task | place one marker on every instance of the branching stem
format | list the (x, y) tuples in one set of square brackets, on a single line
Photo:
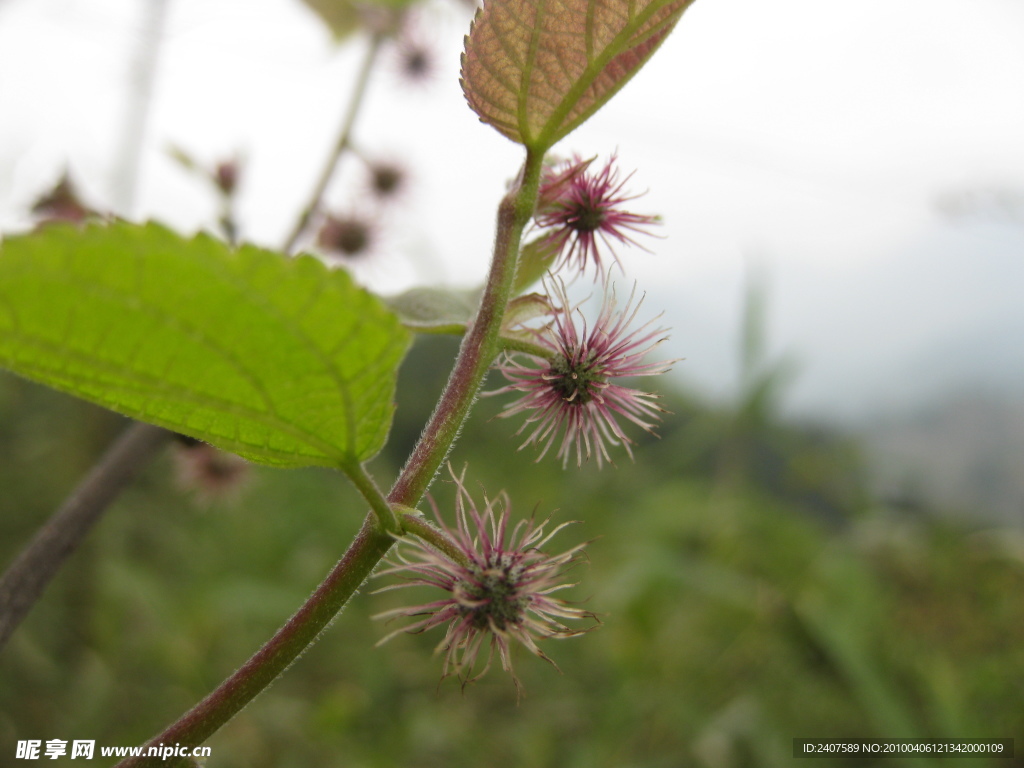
[(417, 526), (386, 517), (481, 343), (479, 347)]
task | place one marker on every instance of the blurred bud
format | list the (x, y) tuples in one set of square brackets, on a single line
[(62, 203), (225, 176), (417, 61), (379, 19), (212, 474), (387, 179), (346, 234)]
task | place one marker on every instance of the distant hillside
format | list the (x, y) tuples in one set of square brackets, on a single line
[(964, 454)]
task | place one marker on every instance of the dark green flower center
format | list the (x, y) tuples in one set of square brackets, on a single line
[(496, 588), (576, 383), (587, 217)]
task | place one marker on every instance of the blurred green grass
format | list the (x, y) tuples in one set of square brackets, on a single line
[(750, 592)]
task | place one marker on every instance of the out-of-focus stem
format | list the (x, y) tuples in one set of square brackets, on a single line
[(33, 569), (343, 143), (138, 109)]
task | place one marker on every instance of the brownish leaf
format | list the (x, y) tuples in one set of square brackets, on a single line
[(537, 69)]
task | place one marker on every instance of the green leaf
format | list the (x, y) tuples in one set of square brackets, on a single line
[(535, 260), (522, 309), (345, 17), (434, 309), (515, 326), (340, 16), (537, 69), (279, 360)]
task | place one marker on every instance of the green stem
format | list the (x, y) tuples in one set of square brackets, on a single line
[(386, 516), (417, 526), (479, 347), (206, 718), (343, 143), (440, 329), (528, 347)]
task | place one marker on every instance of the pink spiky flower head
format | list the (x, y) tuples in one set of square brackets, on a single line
[(570, 394), (499, 586), (583, 210)]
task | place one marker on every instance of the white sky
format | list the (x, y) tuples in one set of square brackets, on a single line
[(810, 138)]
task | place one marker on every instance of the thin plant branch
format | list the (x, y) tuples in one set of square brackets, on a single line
[(32, 570), (415, 525), (512, 344), (386, 517), (342, 144)]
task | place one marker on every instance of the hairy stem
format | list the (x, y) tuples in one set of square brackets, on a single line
[(479, 347), (343, 143), (33, 569), (481, 343), (509, 344), (417, 526), (206, 718), (386, 517)]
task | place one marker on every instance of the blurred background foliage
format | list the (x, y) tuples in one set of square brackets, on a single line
[(751, 591), (752, 588)]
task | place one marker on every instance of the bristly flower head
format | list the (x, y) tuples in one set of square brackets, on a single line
[(499, 586), (570, 392), (583, 209), (349, 235)]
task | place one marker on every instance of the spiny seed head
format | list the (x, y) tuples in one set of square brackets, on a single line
[(493, 595), (581, 209), (499, 584), (570, 395), (576, 381)]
